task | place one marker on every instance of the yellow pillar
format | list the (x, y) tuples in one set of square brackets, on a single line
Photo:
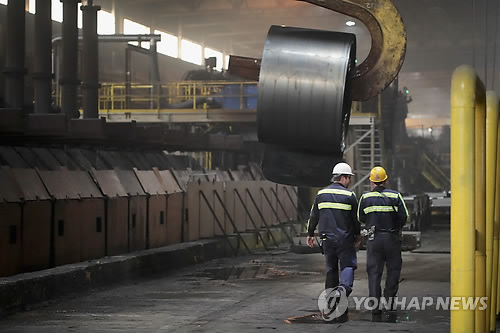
[(480, 207), (491, 165), (463, 96), (496, 234)]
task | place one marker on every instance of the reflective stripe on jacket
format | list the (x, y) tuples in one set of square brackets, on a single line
[(383, 208), (334, 213)]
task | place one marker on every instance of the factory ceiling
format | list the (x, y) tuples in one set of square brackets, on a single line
[(442, 35)]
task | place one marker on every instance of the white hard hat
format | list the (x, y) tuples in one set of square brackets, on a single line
[(342, 169)]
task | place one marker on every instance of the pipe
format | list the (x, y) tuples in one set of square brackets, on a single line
[(90, 60), (128, 77), (491, 160), (15, 53), (480, 208), (495, 304), (69, 80), (463, 100), (56, 69), (117, 38), (42, 61), (117, 14), (154, 74)]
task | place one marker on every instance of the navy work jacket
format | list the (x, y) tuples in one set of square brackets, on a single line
[(334, 213), (383, 208)]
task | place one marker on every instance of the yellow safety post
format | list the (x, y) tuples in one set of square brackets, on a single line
[(465, 92), (496, 235), (480, 210), (491, 164)]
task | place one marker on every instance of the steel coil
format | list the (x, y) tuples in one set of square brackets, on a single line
[(304, 103), (304, 88)]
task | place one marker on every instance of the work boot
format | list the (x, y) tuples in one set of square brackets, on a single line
[(344, 317), (341, 319), (391, 316), (376, 315)]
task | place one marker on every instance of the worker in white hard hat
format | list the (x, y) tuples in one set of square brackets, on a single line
[(334, 213)]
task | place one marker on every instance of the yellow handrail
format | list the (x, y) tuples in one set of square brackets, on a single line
[(139, 96)]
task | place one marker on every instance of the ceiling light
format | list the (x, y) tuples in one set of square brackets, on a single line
[(350, 23)]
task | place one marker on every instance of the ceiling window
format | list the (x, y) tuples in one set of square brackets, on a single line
[(57, 11), (169, 44), (218, 55), (191, 52), (134, 28), (4, 2), (105, 23), (32, 6), (80, 17)]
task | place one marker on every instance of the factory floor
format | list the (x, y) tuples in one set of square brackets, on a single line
[(267, 292)]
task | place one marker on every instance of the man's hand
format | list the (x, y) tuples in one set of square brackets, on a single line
[(357, 241), (310, 241)]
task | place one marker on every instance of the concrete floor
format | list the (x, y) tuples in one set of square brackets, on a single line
[(254, 293)]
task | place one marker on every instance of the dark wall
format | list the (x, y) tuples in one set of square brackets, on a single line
[(3, 14)]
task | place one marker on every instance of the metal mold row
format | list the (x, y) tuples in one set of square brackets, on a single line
[(51, 218), (221, 208)]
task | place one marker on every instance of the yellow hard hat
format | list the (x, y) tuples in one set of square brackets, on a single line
[(378, 175)]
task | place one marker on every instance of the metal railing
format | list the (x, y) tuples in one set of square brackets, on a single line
[(187, 95), (433, 173)]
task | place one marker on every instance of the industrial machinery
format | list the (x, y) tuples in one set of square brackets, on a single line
[(105, 165), (305, 93)]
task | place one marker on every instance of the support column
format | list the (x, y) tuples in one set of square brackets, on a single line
[(179, 38), (90, 61), (14, 58), (117, 13), (69, 78), (154, 75), (42, 63), (203, 55)]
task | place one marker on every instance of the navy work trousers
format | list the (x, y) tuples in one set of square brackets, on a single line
[(345, 254), (383, 250)]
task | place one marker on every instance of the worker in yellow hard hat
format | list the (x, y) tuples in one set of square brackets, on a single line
[(383, 213)]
